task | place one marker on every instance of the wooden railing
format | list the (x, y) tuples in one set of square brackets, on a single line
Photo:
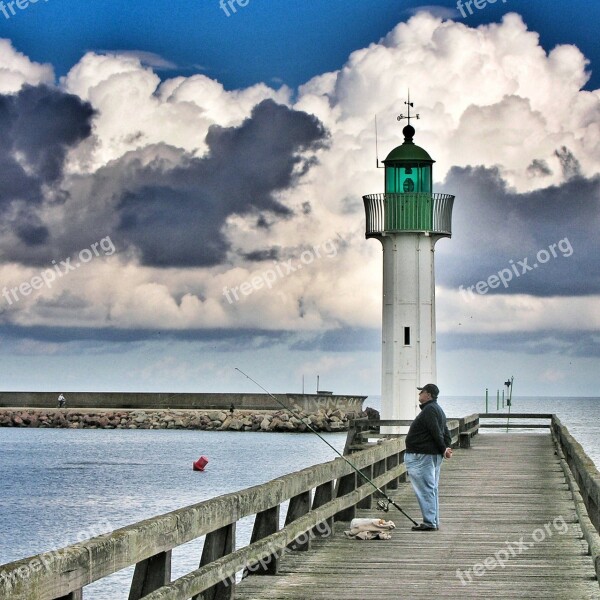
[(511, 423), (362, 430), (584, 482), (317, 496)]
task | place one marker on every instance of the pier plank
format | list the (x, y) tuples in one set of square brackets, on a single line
[(503, 500)]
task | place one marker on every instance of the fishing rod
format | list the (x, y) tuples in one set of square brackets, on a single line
[(383, 504)]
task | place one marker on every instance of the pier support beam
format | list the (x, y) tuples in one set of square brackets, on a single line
[(149, 575), (299, 506), (323, 494), (77, 595), (266, 523), (218, 543), (346, 484)]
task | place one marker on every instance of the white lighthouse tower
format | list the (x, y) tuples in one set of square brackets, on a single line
[(408, 219)]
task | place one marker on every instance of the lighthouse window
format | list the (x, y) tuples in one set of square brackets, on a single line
[(409, 185), (407, 336)]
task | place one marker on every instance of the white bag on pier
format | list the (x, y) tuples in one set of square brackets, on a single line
[(370, 529)]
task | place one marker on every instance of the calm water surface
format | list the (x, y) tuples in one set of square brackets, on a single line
[(57, 485)]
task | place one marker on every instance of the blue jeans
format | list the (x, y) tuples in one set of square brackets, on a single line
[(424, 473)]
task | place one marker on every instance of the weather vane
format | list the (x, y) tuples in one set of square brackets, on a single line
[(408, 117)]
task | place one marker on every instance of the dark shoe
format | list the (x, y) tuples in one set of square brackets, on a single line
[(423, 527)]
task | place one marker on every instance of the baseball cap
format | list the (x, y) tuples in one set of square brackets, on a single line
[(431, 388)]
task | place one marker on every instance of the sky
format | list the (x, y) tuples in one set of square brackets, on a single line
[(181, 184)]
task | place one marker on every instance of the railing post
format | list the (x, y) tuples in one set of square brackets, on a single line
[(298, 507), (265, 523), (402, 478), (149, 575), (323, 494), (367, 501), (76, 595), (391, 462), (346, 484), (379, 468), (218, 543), (464, 441)]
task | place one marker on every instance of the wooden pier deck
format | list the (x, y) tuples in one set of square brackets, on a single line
[(509, 529)]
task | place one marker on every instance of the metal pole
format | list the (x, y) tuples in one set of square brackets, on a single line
[(486, 400), (503, 398), (510, 392), (498, 400)]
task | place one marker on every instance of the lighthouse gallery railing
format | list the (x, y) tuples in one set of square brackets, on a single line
[(392, 213)]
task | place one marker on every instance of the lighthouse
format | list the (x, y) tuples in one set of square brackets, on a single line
[(408, 219)]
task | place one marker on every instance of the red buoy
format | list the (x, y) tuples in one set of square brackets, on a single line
[(200, 463)]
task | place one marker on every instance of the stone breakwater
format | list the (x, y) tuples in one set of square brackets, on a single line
[(208, 420)]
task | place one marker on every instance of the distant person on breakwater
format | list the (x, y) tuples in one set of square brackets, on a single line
[(427, 444), (62, 401)]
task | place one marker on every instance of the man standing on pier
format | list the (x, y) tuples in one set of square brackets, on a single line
[(427, 444)]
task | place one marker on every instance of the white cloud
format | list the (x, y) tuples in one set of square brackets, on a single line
[(16, 70), (150, 59), (458, 312), (136, 110)]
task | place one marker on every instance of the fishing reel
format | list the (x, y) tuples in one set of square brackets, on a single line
[(384, 505)]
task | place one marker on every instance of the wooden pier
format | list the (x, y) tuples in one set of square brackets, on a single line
[(519, 519), (506, 489)]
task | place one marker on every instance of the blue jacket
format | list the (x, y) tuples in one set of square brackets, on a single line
[(428, 433)]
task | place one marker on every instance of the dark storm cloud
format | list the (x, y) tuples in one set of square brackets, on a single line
[(346, 339), (219, 340), (160, 202), (174, 217), (569, 164), (263, 255), (539, 168), (37, 127), (493, 225), (573, 343)]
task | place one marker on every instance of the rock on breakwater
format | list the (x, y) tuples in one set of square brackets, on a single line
[(208, 420)]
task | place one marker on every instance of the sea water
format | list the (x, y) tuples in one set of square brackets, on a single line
[(58, 486)]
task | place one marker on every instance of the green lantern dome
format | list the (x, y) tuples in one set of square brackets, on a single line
[(409, 151), (408, 167)]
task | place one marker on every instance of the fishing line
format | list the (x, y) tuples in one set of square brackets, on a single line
[(381, 503)]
